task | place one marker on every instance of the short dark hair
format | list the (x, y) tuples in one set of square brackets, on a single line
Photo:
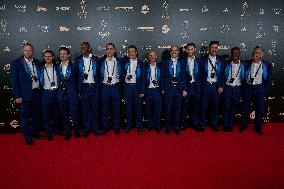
[(51, 52), (110, 44), (28, 44), (258, 47), (235, 48), (132, 46), (64, 49), (214, 43), (86, 43), (190, 44)]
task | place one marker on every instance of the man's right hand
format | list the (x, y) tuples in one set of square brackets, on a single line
[(19, 100)]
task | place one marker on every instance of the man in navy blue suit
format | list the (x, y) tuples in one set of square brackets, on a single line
[(153, 96), (191, 79), (67, 93), (134, 88), (88, 77), (212, 78), (174, 88), (258, 78), (234, 76), (111, 79), (25, 73), (49, 83)]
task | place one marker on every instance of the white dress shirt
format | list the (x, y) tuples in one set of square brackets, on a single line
[(211, 70), (258, 77), (88, 69), (33, 71), (234, 72), (64, 66), (111, 70), (131, 70), (174, 60), (49, 77), (153, 75), (191, 67)]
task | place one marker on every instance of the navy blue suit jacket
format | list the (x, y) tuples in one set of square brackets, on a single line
[(241, 73), (79, 67), (196, 72), (119, 67), (167, 75), (220, 68), (21, 78), (266, 73), (148, 74), (140, 74), (71, 79)]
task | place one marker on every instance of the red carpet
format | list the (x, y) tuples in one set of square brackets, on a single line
[(192, 160)]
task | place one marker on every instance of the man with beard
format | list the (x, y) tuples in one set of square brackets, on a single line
[(25, 72), (174, 89), (49, 83), (212, 77), (191, 69)]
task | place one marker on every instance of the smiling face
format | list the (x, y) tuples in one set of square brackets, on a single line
[(257, 55), (190, 50), (174, 51), (152, 57), (85, 49), (110, 50), (28, 52), (132, 53), (213, 49), (236, 55), (48, 57)]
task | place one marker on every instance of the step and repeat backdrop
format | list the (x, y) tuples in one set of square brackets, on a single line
[(147, 24)]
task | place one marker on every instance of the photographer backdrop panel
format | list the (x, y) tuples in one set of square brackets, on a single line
[(148, 25)]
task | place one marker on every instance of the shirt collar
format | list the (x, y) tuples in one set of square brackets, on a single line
[(212, 58), (191, 58), (173, 59), (28, 60), (90, 56)]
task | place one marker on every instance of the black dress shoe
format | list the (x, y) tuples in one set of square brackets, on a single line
[(243, 129), (67, 136), (96, 133), (77, 134), (177, 132), (168, 131), (201, 128), (39, 136), (140, 131), (116, 131), (104, 132), (49, 137), (29, 141), (259, 131), (127, 130), (216, 128), (228, 129), (158, 130), (85, 135)]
